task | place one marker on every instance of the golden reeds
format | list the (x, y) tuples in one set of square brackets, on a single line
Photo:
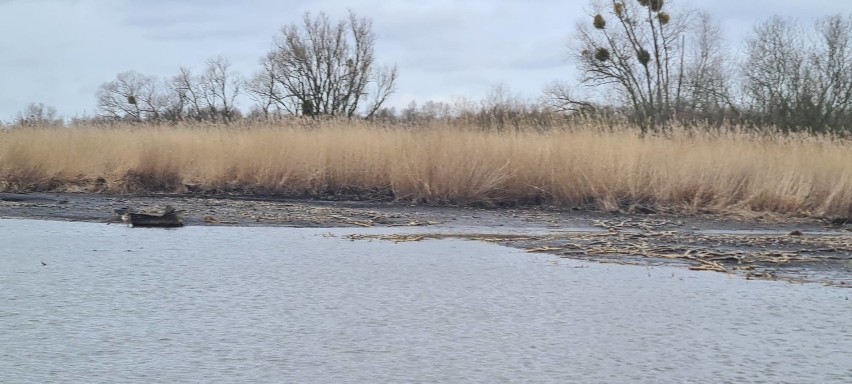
[(443, 164)]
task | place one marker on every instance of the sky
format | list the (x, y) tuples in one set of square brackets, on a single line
[(58, 52)]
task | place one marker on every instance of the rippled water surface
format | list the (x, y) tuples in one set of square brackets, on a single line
[(228, 305)]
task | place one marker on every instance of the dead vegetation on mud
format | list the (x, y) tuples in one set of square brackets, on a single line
[(773, 256)]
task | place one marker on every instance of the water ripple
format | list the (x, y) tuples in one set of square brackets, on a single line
[(228, 305)]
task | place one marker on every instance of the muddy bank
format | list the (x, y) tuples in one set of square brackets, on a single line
[(268, 211), (793, 249)]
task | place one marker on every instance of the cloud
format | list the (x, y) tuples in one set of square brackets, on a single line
[(188, 20)]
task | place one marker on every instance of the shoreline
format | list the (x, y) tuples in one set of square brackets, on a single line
[(773, 248)]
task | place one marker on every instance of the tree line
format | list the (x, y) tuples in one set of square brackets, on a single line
[(318, 67), (671, 67), (642, 61)]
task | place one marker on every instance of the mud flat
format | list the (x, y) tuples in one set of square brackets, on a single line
[(792, 249)]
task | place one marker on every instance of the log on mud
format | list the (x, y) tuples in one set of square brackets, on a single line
[(169, 218)]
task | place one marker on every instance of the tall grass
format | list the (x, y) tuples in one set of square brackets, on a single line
[(443, 164)]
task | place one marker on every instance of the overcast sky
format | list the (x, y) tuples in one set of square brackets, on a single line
[(59, 51)]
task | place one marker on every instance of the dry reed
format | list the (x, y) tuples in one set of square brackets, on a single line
[(443, 164)]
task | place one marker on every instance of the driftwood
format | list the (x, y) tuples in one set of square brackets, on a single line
[(169, 218)]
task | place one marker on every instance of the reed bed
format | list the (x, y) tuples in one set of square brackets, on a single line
[(572, 166)]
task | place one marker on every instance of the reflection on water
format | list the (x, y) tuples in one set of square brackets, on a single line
[(202, 304)]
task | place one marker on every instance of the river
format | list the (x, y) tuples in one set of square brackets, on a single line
[(274, 305)]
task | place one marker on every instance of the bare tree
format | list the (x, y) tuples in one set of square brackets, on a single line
[(264, 89), (190, 96), (383, 85), (220, 87), (637, 47), (832, 73), (774, 70), (795, 80), (207, 97), (321, 67), (38, 114), (500, 109), (560, 98), (133, 96), (707, 92), (436, 111)]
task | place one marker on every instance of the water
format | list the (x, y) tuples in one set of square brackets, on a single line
[(226, 305)]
